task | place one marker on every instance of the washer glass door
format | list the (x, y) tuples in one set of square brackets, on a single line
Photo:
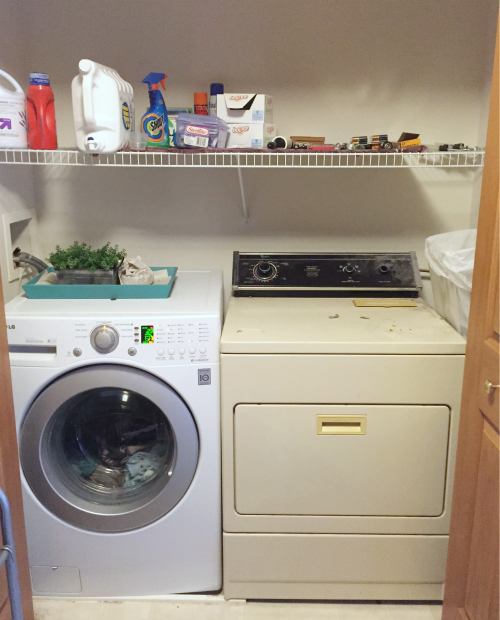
[(109, 448)]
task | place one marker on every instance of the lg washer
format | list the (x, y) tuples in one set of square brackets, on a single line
[(117, 409)]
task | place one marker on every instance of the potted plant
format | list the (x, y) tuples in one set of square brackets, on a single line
[(80, 264)]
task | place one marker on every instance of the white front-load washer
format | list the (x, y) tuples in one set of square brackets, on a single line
[(118, 417)]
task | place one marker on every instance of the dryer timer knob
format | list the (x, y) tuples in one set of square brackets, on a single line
[(104, 338)]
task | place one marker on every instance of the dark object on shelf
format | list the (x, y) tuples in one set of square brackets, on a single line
[(460, 146), (277, 143), (305, 142)]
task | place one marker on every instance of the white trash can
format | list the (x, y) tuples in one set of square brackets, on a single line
[(451, 263)]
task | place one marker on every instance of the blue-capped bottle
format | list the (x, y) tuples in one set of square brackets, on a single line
[(155, 122)]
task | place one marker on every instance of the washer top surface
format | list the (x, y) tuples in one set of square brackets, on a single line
[(193, 293), (335, 325)]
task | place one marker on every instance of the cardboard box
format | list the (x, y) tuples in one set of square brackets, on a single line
[(250, 135), (245, 108), (408, 139)]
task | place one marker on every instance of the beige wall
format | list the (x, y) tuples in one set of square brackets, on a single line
[(16, 183), (335, 67)]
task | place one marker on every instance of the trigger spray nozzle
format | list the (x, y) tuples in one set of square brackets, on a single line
[(153, 79)]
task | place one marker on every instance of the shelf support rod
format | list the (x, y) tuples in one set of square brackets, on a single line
[(242, 189)]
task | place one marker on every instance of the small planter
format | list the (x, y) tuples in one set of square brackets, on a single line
[(85, 276)]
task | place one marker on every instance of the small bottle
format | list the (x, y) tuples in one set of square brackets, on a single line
[(41, 114), (201, 104), (215, 89)]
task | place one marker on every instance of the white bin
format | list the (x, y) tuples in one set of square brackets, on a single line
[(451, 263)]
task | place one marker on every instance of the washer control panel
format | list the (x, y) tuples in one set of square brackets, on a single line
[(326, 274), (172, 340), (183, 340)]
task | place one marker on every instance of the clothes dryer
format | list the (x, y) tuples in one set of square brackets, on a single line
[(117, 407), (340, 405)]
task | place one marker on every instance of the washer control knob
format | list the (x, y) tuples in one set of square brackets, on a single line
[(171, 351), (160, 352), (265, 271), (384, 269), (104, 338), (203, 350), (77, 352), (132, 351), (349, 268), (182, 351), (192, 350)]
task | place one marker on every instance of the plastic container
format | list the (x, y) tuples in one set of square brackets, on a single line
[(197, 131), (201, 104), (451, 263), (13, 119), (41, 114), (103, 109), (85, 276), (138, 141)]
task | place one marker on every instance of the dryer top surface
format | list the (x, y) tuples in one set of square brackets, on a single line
[(193, 293), (335, 325)]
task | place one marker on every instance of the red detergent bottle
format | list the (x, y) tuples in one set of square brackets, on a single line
[(41, 115)]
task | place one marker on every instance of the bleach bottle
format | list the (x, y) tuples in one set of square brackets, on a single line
[(13, 119), (103, 109), (155, 122)]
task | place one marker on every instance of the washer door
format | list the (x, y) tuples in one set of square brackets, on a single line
[(109, 448)]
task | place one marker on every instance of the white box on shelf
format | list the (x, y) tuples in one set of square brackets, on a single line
[(245, 108), (250, 135)]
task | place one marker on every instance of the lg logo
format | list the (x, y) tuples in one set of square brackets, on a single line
[(11, 327)]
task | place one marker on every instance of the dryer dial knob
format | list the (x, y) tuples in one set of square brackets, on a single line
[(104, 338), (265, 271)]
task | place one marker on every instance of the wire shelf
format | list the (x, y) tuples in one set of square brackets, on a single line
[(260, 159)]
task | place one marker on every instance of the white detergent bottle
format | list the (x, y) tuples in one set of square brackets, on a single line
[(13, 119), (103, 109)]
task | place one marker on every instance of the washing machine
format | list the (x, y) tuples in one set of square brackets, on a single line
[(118, 415), (340, 402)]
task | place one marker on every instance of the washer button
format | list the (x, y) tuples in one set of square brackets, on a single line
[(182, 351), (132, 351), (192, 350), (160, 352), (171, 351), (77, 352), (203, 350)]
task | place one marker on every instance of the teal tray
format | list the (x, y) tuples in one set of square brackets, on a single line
[(100, 291)]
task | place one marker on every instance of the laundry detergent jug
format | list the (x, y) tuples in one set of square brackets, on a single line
[(13, 119), (103, 109)]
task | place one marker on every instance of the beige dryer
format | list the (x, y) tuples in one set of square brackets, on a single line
[(339, 434)]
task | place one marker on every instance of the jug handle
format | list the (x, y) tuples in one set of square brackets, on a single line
[(88, 104)]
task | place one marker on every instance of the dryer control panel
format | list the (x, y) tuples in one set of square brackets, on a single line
[(326, 275)]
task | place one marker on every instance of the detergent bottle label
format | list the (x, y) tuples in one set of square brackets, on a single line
[(126, 115)]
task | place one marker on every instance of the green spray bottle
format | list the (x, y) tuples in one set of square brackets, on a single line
[(155, 122)]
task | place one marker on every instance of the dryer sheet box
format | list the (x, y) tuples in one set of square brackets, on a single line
[(250, 135), (245, 108)]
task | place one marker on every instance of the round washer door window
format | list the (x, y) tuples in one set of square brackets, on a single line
[(109, 448)]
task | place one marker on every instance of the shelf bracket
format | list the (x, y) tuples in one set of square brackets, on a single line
[(243, 200)]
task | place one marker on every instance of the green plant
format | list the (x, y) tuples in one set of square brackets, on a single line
[(82, 256)]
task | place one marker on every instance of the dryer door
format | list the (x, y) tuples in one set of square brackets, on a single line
[(109, 448)]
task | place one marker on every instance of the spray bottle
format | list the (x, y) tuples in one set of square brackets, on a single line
[(155, 122)]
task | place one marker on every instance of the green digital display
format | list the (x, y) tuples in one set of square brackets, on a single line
[(147, 334)]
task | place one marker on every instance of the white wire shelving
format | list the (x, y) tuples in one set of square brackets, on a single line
[(260, 159)]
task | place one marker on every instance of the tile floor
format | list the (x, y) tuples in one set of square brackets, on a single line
[(218, 609)]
